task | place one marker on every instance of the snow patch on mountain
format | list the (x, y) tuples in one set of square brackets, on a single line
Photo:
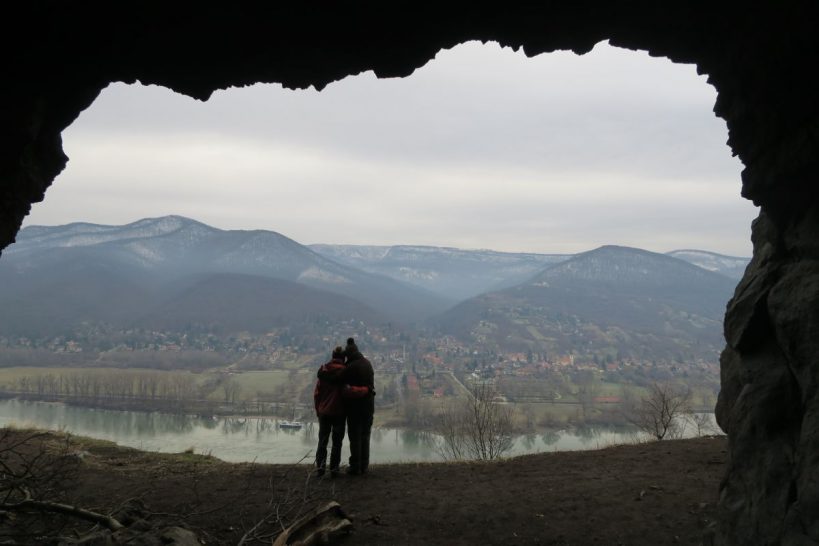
[(409, 273), (147, 255), (731, 266), (367, 253), (84, 234), (317, 274)]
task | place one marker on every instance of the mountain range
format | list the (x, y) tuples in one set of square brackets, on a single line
[(126, 275), (608, 300), (449, 272), (177, 273), (460, 274)]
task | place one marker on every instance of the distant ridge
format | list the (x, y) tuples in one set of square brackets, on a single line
[(156, 254), (175, 272), (449, 272), (461, 274), (730, 266), (608, 300)]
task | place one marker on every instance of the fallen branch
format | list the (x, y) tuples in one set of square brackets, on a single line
[(273, 510), (59, 508)]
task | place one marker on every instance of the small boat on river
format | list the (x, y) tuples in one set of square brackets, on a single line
[(292, 425)]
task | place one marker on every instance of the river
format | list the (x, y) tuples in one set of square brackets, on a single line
[(240, 439)]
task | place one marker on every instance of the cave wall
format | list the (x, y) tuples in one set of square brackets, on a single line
[(759, 55)]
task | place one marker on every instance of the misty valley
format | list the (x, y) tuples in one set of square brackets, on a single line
[(171, 315)]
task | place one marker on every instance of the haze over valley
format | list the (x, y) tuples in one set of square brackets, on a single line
[(568, 168), (177, 274), (172, 293)]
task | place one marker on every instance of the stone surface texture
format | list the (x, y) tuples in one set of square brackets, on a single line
[(761, 56)]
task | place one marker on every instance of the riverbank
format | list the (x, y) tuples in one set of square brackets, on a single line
[(638, 495), (244, 439)]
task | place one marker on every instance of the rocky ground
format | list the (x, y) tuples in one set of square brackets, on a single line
[(646, 494)]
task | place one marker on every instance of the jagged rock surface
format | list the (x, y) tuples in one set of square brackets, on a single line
[(760, 56)]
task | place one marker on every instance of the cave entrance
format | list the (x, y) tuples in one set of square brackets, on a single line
[(481, 148)]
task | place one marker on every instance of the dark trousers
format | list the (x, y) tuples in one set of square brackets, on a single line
[(358, 432), (328, 426)]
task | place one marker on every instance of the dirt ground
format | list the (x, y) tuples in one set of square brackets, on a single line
[(646, 494)]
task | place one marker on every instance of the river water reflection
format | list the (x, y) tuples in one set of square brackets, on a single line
[(238, 439)]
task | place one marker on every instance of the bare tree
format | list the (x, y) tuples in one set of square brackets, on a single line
[(588, 388), (661, 412), (529, 415), (231, 388), (477, 426), (450, 425), (703, 422)]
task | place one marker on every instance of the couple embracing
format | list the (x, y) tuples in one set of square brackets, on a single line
[(345, 396)]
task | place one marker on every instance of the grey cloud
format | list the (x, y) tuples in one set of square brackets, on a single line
[(475, 101), (480, 146)]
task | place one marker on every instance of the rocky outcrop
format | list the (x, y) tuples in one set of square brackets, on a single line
[(768, 404), (760, 56)]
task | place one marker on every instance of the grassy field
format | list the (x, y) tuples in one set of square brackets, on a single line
[(294, 362), (284, 384), (294, 387), (535, 333), (270, 381), (10, 376)]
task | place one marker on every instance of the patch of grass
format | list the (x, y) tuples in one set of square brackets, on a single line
[(535, 333), (296, 362), (10, 376), (269, 381)]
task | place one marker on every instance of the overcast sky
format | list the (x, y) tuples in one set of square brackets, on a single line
[(480, 148)]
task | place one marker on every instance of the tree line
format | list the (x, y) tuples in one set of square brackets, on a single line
[(120, 384)]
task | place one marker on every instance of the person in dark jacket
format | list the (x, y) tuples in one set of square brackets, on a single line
[(330, 411), (359, 405)]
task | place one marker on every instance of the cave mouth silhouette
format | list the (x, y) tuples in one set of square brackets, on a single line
[(578, 148), (759, 57)]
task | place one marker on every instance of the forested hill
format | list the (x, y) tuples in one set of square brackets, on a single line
[(125, 274), (174, 273), (612, 299)]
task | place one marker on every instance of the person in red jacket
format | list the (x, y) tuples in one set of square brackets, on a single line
[(351, 397), (330, 412)]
